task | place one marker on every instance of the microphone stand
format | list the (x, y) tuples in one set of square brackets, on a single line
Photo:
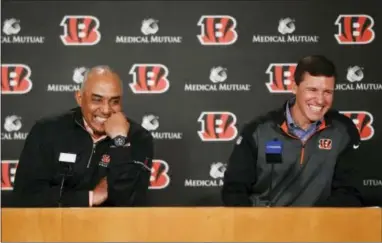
[(270, 186), (67, 170)]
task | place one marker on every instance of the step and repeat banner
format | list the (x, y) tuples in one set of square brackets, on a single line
[(193, 72)]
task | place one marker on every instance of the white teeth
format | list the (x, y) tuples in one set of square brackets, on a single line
[(315, 108), (100, 119)]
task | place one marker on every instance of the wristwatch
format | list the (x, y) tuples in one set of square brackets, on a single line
[(119, 140)]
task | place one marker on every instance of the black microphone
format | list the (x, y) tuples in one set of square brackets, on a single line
[(273, 155), (66, 161)]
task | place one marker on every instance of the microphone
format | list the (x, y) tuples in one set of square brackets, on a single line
[(66, 160), (273, 155)]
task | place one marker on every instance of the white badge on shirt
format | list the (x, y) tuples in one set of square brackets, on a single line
[(67, 157)]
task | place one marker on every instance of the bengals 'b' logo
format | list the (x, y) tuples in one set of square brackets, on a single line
[(159, 178), (217, 126), (8, 172), (149, 78), (80, 30), (280, 77), (325, 143), (354, 29), (15, 79), (217, 30), (364, 122)]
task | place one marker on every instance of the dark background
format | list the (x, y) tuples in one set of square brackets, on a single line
[(190, 62)]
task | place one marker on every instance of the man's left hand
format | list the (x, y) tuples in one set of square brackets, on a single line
[(117, 125)]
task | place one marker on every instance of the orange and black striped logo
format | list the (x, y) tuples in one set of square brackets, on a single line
[(15, 79), (363, 121), (159, 178), (149, 78), (80, 30), (217, 30), (355, 29), (217, 126), (325, 143), (280, 77), (8, 173)]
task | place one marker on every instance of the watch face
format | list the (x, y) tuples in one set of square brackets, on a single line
[(119, 141)]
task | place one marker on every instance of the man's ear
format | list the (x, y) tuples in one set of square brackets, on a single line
[(294, 88), (78, 97)]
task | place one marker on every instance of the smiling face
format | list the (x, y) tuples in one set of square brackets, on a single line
[(314, 97), (100, 97)]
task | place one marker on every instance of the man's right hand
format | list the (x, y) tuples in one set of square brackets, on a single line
[(100, 192)]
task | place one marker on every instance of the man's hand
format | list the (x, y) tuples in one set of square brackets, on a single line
[(117, 125), (100, 192)]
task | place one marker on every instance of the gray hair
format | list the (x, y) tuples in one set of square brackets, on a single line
[(100, 69)]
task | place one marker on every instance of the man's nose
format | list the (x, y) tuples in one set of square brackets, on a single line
[(320, 98), (106, 109)]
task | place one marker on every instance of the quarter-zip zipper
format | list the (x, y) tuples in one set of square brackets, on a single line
[(91, 155), (94, 145), (302, 155), (93, 148), (303, 143)]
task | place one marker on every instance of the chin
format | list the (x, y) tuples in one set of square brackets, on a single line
[(98, 128), (314, 118)]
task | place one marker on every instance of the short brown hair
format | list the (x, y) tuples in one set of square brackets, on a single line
[(315, 65)]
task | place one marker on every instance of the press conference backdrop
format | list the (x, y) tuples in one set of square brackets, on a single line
[(193, 72)]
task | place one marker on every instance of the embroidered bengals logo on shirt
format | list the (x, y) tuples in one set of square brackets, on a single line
[(325, 143), (105, 160)]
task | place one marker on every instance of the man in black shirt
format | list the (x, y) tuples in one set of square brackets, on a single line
[(90, 156)]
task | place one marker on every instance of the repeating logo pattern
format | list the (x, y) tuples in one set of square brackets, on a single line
[(193, 99)]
